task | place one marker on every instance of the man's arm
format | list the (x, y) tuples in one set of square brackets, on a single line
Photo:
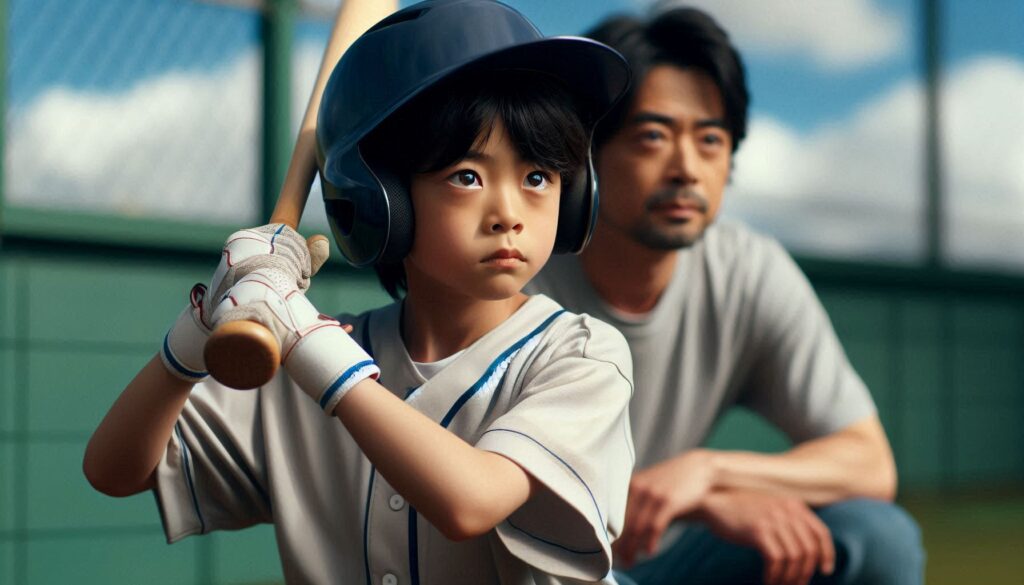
[(855, 462), (763, 500)]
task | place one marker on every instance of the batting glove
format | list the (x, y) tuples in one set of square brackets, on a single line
[(273, 246), (318, 354), (182, 351)]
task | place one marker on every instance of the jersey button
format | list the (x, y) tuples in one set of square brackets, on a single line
[(396, 502), (389, 579)]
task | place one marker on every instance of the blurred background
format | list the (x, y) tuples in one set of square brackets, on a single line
[(886, 151)]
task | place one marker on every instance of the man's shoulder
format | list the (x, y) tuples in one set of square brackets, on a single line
[(731, 249), (736, 241)]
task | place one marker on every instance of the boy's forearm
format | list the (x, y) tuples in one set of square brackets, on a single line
[(853, 462), (125, 449), (462, 490)]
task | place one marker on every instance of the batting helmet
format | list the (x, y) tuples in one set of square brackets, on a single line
[(369, 209)]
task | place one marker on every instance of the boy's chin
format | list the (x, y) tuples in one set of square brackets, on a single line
[(500, 291)]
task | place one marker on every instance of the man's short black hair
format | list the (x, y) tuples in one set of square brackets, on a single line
[(683, 37), (441, 126)]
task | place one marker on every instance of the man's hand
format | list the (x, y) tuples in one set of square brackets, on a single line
[(660, 494), (793, 541)]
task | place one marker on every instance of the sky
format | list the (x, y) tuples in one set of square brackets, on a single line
[(150, 107)]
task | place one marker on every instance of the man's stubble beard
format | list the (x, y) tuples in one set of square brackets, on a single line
[(655, 237), (651, 236)]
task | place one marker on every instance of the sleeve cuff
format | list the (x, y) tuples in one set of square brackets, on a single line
[(561, 530)]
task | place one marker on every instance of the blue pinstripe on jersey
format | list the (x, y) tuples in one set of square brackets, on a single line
[(187, 466)]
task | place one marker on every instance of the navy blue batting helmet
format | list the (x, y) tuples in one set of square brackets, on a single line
[(369, 210)]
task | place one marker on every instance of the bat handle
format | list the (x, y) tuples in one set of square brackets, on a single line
[(242, 354)]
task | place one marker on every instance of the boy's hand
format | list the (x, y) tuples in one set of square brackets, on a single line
[(246, 250), (317, 352), (182, 350), (272, 246)]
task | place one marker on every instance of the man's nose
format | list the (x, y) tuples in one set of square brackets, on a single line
[(683, 162)]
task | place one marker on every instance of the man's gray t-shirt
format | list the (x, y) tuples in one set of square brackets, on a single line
[(738, 324)]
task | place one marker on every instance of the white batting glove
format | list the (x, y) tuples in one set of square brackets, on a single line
[(272, 246), (182, 350), (322, 359)]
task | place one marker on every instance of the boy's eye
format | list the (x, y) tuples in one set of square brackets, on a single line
[(537, 180), (465, 178)]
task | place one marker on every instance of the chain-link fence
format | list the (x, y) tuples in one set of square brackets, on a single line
[(133, 108)]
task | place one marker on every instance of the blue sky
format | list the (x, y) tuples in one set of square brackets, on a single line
[(140, 81), (108, 45)]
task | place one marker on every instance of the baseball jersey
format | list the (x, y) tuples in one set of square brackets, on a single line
[(546, 388), (738, 324)]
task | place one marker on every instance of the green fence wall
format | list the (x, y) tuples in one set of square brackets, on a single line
[(943, 359)]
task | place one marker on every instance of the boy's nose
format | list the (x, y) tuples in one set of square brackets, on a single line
[(505, 215), (504, 226)]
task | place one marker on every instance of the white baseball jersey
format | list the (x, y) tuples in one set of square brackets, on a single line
[(547, 388)]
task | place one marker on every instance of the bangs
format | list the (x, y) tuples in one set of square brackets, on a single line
[(442, 125)]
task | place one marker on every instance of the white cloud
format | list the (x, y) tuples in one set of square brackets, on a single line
[(186, 145), (983, 138), (835, 34), (856, 187), (182, 145)]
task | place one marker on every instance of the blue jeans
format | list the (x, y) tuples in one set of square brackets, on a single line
[(877, 543)]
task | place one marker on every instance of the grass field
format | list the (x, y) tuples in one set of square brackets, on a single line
[(972, 539)]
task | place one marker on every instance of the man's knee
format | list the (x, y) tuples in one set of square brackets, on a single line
[(876, 542)]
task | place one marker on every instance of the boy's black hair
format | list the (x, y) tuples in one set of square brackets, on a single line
[(686, 38), (440, 126)]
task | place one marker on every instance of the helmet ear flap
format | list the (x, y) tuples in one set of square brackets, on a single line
[(401, 220), (577, 211)]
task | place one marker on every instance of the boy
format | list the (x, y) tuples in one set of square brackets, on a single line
[(483, 434)]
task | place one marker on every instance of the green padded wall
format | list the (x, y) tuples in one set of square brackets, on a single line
[(944, 366), (73, 332)]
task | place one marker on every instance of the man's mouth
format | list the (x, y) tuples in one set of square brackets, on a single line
[(678, 205)]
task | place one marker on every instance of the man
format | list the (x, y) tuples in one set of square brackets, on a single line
[(717, 315)]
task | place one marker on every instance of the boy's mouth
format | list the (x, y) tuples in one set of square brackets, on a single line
[(505, 257)]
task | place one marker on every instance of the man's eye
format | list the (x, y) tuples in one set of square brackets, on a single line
[(465, 178), (652, 135), (714, 139), (537, 180)]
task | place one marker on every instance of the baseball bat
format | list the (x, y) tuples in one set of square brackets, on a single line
[(244, 354)]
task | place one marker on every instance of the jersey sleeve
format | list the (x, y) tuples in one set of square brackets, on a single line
[(569, 429), (801, 379), (212, 475)]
